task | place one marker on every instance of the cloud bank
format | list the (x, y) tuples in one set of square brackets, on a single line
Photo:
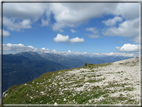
[(20, 47)]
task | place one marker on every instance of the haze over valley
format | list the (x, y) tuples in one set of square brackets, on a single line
[(26, 66)]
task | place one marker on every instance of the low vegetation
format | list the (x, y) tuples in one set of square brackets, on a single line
[(91, 84)]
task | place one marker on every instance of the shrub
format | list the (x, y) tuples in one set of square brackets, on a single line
[(86, 64)]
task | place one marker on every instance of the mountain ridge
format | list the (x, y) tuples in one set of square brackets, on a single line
[(31, 65), (17, 66)]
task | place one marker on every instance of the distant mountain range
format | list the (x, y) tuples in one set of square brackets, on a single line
[(26, 66)]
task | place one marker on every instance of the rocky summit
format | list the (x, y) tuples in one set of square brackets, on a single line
[(108, 83)]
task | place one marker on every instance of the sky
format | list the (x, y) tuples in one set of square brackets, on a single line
[(72, 28)]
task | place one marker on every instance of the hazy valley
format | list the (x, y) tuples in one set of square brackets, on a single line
[(26, 66)]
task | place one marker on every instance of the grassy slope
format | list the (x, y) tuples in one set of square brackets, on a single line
[(61, 87)]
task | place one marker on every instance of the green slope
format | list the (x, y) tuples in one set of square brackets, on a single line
[(61, 87)]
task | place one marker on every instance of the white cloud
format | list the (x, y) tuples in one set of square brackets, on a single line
[(127, 10), (58, 26), (93, 36), (19, 16), (113, 54), (112, 22), (94, 54), (16, 26), (26, 23), (74, 14), (69, 51), (43, 48), (73, 31), (77, 39), (93, 30), (22, 11), (66, 14), (5, 33), (16, 47), (61, 38), (128, 48), (129, 28), (20, 47), (44, 22)]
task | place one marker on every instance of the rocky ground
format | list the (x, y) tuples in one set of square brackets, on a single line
[(115, 83)]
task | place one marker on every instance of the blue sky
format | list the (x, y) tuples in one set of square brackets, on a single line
[(73, 28)]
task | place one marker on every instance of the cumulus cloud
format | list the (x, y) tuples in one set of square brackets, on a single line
[(15, 25), (66, 14), (77, 39), (73, 31), (129, 28), (128, 48), (19, 16), (61, 38), (112, 22), (127, 10), (22, 11), (74, 14), (5, 33)]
